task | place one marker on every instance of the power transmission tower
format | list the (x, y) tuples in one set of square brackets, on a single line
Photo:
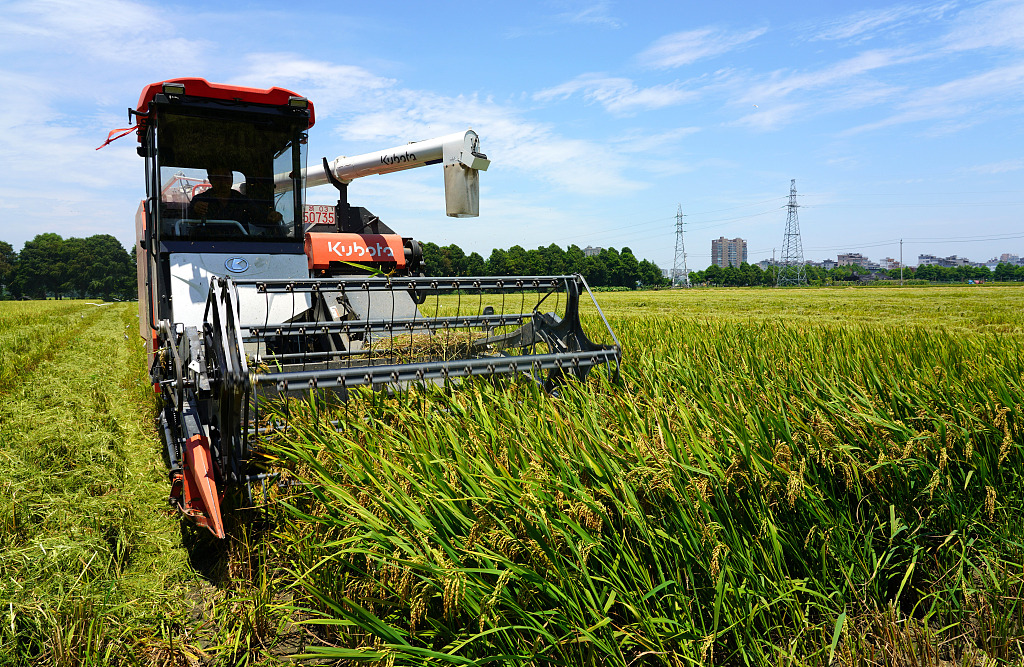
[(791, 267), (680, 259)]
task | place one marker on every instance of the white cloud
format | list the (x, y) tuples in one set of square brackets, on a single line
[(997, 167), (781, 84), (771, 117), (333, 88), (507, 136), (684, 48), (618, 95), (960, 98), (381, 113), (866, 24), (595, 14), (641, 141), (989, 25), (109, 31)]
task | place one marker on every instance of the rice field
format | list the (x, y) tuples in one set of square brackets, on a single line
[(779, 477)]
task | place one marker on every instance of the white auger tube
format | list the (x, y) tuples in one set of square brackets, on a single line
[(459, 154)]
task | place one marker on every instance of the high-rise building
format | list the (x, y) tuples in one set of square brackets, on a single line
[(728, 252)]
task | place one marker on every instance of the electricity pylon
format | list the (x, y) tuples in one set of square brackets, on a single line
[(791, 269), (680, 259)]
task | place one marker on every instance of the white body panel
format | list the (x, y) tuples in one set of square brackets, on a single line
[(190, 286)]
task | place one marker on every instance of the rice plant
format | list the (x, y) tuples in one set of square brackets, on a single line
[(751, 493)]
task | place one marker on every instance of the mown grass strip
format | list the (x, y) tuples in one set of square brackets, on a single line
[(91, 566), (32, 331)]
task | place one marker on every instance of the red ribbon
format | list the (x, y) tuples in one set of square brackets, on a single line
[(124, 132)]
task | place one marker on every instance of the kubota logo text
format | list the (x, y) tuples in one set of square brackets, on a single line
[(395, 158), (342, 249)]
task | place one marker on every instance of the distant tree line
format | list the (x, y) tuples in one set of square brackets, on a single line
[(609, 268), (97, 267), (748, 275)]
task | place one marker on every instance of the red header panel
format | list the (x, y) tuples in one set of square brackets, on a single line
[(217, 91), (324, 248)]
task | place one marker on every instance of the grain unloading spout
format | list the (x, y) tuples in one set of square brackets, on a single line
[(459, 153)]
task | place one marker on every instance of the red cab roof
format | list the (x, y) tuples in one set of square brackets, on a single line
[(218, 91)]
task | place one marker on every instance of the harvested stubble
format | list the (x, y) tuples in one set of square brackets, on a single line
[(751, 494), (88, 573)]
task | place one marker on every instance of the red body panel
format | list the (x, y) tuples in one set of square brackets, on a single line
[(217, 91), (202, 502)]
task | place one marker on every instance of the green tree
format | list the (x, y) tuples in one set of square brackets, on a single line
[(456, 260), (554, 260), (1005, 272), (75, 258), (595, 270), (751, 274), (629, 268), (40, 267), (650, 274), (109, 269), (475, 265), (432, 259), (612, 267), (535, 261), (731, 276), (8, 264), (497, 263), (575, 260), (517, 261)]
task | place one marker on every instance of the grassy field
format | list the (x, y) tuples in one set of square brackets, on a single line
[(804, 477)]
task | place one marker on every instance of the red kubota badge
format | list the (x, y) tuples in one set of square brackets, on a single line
[(322, 249)]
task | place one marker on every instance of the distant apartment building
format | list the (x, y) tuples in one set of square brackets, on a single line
[(1005, 258), (952, 260), (851, 258), (591, 251), (728, 252)]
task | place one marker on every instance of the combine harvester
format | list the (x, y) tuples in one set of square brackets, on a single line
[(246, 293)]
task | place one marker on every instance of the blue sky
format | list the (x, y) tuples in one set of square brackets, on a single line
[(896, 120)]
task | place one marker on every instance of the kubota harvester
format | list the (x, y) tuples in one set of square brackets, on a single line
[(247, 294)]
